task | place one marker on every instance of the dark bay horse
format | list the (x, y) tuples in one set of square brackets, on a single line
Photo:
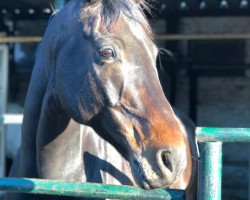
[(95, 110)]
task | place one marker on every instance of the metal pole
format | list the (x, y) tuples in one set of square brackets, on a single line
[(59, 4), (20, 39), (203, 37), (210, 171), (170, 37), (3, 104), (248, 173), (2, 151)]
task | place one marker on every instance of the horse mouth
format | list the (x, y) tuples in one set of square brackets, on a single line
[(140, 176), (160, 181)]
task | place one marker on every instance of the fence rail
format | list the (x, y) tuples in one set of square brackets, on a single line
[(177, 37), (210, 134), (166, 37), (20, 39), (91, 190)]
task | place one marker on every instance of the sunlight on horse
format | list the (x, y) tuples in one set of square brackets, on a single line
[(96, 67)]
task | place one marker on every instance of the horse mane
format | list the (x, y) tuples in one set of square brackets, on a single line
[(133, 9)]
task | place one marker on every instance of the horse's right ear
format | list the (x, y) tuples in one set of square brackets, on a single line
[(138, 1), (91, 1)]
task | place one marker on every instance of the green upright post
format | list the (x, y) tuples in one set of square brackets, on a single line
[(210, 168), (59, 4)]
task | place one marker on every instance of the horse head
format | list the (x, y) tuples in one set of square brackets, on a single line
[(106, 77)]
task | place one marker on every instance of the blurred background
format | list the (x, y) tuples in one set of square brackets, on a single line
[(206, 75)]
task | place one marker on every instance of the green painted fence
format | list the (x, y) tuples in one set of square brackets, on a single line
[(210, 165), (210, 169), (91, 190)]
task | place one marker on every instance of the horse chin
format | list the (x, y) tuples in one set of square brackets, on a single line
[(154, 184), (147, 183)]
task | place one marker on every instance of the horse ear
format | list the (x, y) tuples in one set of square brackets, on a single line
[(143, 3), (138, 1), (91, 1)]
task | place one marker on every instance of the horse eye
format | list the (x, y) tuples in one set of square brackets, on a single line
[(107, 53)]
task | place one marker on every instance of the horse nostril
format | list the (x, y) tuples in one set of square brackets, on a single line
[(167, 160)]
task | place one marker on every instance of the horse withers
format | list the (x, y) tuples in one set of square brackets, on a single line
[(96, 67)]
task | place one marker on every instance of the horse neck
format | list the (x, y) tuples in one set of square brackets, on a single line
[(40, 98), (58, 135), (33, 103)]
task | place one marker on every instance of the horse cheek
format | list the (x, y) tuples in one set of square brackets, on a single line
[(113, 86), (92, 99)]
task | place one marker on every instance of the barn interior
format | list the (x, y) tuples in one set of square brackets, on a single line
[(204, 68)]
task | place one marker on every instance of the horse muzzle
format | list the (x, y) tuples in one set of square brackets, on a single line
[(161, 170)]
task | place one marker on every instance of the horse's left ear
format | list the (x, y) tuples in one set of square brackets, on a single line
[(143, 3)]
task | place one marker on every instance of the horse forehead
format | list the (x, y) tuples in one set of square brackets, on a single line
[(131, 30)]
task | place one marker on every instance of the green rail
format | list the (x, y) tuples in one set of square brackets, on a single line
[(210, 170), (90, 190), (210, 165), (206, 134)]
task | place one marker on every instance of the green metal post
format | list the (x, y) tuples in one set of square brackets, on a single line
[(59, 4), (210, 170), (91, 190)]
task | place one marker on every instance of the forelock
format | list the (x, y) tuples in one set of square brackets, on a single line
[(112, 9)]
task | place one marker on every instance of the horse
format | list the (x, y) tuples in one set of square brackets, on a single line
[(95, 110)]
